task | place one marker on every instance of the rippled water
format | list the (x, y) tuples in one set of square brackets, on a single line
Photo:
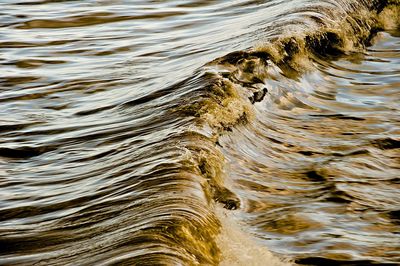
[(199, 132)]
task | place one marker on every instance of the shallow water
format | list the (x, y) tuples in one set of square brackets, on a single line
[(199, 132)]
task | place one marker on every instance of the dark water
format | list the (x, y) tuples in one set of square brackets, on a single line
[(199, 132)]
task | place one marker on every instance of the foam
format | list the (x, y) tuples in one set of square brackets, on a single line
[(239, 248)]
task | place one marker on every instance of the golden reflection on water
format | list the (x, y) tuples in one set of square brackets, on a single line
[(320, 178), (126, 126)]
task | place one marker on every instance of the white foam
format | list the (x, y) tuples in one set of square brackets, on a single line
[(239, 248)]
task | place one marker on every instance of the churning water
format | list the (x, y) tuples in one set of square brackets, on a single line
[(199, 132)]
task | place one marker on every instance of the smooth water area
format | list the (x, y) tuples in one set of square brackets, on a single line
[(199, 132)]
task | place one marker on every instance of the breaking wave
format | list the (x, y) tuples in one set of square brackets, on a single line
[(167, 197)]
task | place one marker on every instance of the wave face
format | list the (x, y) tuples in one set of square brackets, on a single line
[(199, 132)]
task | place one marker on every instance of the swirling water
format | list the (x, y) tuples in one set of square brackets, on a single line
[(199, 132)]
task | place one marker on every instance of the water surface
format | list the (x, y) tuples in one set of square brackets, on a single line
[(199, 132)]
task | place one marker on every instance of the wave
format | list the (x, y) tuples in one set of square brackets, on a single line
[(237, 80), (174, 215)]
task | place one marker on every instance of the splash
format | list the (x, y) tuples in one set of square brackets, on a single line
[(239, 248)]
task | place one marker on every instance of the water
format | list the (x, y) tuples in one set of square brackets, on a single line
[(199, 132)]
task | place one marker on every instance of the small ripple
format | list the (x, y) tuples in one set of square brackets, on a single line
[(34, 63), (90, 19)]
